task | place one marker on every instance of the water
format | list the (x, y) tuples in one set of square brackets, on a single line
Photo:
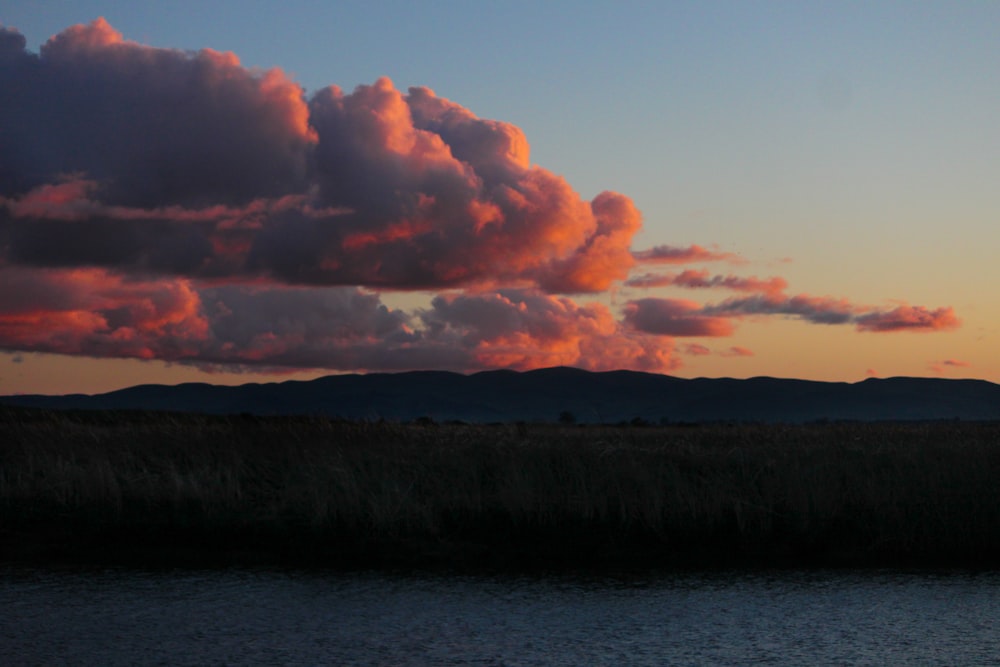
[(127, 617)]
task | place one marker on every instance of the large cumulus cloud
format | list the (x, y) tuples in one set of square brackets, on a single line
[(418, 192), (158, 203)]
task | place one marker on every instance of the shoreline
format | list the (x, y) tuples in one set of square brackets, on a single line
[(461, 557)]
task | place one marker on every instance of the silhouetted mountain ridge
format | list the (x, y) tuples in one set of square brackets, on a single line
[(542, 395)]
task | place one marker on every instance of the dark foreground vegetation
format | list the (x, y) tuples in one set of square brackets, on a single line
[(187, 489)]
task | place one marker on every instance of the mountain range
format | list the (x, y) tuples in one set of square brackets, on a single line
[(553, 394)]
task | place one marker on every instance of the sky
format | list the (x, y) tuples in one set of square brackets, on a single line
[(235, 192)]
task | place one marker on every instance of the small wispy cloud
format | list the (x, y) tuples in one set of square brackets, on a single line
[(947, 364), (667, 254), (695, 279)]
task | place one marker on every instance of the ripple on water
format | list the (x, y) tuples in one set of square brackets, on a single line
[(124, 617)]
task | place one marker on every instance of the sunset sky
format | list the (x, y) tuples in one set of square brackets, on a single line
[(237, 192)]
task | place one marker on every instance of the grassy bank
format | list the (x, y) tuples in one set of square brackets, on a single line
[(117, 486)]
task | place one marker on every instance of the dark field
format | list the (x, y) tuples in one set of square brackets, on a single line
[(184, 489)]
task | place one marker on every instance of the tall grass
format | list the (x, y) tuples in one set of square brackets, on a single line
[(329, 491)]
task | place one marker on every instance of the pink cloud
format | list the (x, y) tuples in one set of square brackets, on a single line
[(909, 318), (946, 364), (695, 350), (605, 256), (517, 329), (673, 317), (829, 310), (692, 278), (737, 351), (422, 193), (648, 280), (819, 310), (665, 254), (90, 312), (66, 200), (699, 279)]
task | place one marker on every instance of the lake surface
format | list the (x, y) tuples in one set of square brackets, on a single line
[(216, 617)]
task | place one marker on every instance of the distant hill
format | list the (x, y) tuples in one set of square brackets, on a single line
[(542, 395)]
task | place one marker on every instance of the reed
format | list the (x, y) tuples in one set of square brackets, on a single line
[(108, 485)]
